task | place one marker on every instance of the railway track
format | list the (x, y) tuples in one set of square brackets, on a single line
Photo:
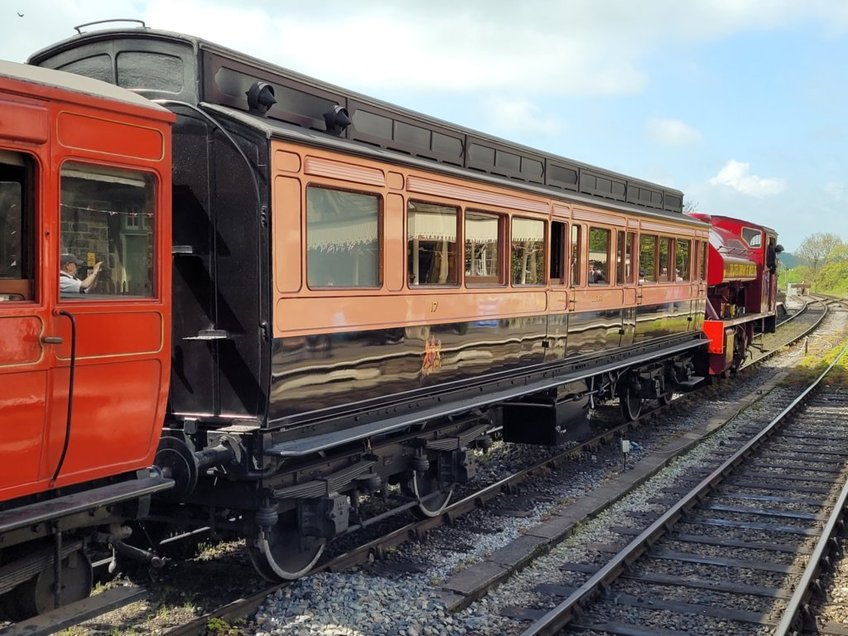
[(741, 550), (804, 322)]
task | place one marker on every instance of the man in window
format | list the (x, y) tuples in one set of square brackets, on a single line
[(68, 281)]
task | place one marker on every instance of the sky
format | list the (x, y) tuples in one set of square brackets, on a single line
[(741, 104)]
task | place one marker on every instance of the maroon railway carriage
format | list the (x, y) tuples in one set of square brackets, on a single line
[(360, 291), (742, 288)]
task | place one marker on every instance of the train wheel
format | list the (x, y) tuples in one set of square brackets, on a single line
[(665, 398), (630, 399), (284, 553), (35, 596), (432, 499)]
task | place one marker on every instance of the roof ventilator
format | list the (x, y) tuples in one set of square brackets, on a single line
[(337, 119), (260, 98)]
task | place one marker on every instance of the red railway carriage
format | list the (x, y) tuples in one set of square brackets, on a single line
[(85, 173), (741, 288)]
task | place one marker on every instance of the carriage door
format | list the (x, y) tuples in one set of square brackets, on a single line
[(107, 216), (23, 315)]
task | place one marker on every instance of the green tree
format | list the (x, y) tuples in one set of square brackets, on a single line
[(816, 249), (833, 278)]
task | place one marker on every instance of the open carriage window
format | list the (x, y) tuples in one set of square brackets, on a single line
[(107, 229), (17, 219)]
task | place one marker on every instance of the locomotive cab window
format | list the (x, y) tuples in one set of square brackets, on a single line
[(600, 241), (17, 240), (528, 251), (753, 237), (107, 232), (342, 239), (432, 248), (483, 248)]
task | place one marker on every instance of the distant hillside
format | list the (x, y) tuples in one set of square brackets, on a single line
[(787, 260)]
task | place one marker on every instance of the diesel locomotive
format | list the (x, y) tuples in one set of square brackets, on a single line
[(309, 296)]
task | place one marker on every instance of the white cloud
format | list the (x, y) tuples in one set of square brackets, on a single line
[(520, 115), (672, 132), (580, 47), (735, 175)]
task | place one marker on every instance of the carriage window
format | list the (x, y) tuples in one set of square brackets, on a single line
[(664, 260), (599, 251), (702, 259), (431, 247), (557, 256), (753, 237), (628, 257), (576, 244), (528, 251), (17, 239), (107, 225), (342, 239), (647, 259), (483, 248), (624, 258), (681, 255)]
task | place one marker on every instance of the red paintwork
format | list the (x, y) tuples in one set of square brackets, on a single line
[(123, 345), (736, 270)]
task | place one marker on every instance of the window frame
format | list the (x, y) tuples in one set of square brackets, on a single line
[(155, 228), (608, 280), (655, 253), (669, 241), (25, 287), (380, 238), (544, 262), (677, 241), (484, 281), (575, 246), (759, 233), (459, 252), (559, 259)]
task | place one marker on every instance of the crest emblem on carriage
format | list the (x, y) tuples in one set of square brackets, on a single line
[(432, 357)]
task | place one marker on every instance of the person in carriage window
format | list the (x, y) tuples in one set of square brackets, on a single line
[(68, 281)]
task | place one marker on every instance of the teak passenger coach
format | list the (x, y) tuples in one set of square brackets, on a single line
[(359, 293)]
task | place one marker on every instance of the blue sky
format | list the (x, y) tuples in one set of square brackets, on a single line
[(739, 103)]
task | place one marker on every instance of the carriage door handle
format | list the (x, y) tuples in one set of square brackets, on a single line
[(52, 340)]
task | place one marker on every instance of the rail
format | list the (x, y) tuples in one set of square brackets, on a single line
[(564, 613)]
